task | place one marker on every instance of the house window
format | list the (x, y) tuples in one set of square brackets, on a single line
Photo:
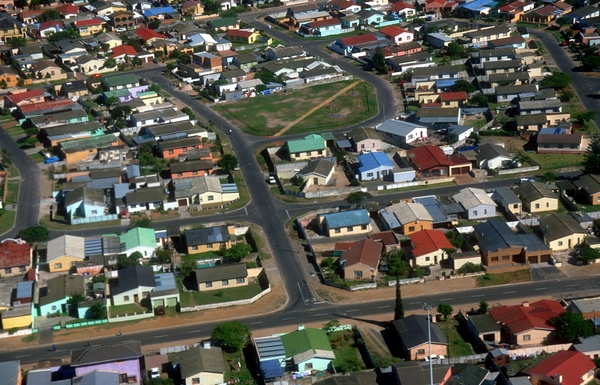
[(195, 248), (484, 211), (560, 243), (411, 228), (427, 259), (526, 337), (179, 174), (358, 274), (363, 227), (308, 153), (474, 212), (515, 206), (194, 172), (537, 205), (211, 198), (337, 231), (125, 298), (7, 270), (420, 351), (349, 228), (547, 204), (209, 246), (22, 269), (53, 308), (196, 380), (225, 282), (240, 280), (208, 284), (505, 257), (308, 366), (171, 152), (369, 175), (58, 265), (494, 259), (73, 264), (122, 378)]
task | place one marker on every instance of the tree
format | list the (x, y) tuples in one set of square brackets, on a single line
[(160, 381), (17, 42), (137, 62), (463, 85), (110, 63), (5, 158), (483, 307), (50, 14), (155, 87), (228, 163), (357, 197), (66, 34), (455, 238), (588, 254), (397, 267), (584, 117), (120, 111), (330, 326), (558, 80), (591, 161), (455, 50), (75, 299), (232, 335), (445, 310), (111, 100), (378, 60), (591, 62), (479, 100), (548, 177), (186, 268), (188, 112), (163, 256), (141, 222), (236, 252), (572, 326), (351, 364), (154, 24), (124, 261), (98, 310), (184, 59), (34, 234)]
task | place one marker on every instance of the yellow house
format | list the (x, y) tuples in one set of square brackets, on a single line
[(17, 317), (201, 366), (222, 277), (561, 231), (311, 146), (537, 197), (209, 239), (11, 27), (318, 172), (345, 223), (242, 36), (150, 98), (89, 27), (64, 252)]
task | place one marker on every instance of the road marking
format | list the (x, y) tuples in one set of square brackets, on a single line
[(574, 285), (26, 355), (166, 335), (288, 214), (414, 303), (246, 210), (541, 288), (289, 318), (255, 323), (302, 294), (319, 315), (445, 299), (350, 311), (477, 295), (382, 307), (509, 292), (194, 331)]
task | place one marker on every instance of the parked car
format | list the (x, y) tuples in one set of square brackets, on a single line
[(160, 310), (154, 373), (426, 271), (51, 158), (271, 179)]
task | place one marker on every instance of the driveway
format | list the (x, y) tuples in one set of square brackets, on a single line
[(544, 272)]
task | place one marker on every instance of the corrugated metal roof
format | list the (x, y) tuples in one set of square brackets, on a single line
[(93, 246)]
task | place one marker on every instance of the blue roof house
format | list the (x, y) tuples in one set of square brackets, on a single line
[(345, 223), (156, 12), (374, 165)]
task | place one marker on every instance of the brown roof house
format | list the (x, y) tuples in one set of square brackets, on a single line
[(413, 334), (359, 260), (222, 276), (200, 365)]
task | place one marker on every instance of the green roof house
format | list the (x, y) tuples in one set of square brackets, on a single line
[(225, 23), (309, 349), (118, 82), (312, 146), (138, 239)]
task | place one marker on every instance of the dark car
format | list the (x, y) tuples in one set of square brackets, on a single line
[(426, 271), (160, 310)]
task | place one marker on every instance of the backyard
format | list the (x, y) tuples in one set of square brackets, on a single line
[(456, 344), (347, 355), (549, 162), (270, 114), (122, 310), (195, 298)]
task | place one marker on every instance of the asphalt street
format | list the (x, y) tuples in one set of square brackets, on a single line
[(323, 312)]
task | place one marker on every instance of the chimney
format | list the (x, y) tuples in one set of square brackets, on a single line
[(525, 303), (557, 379)]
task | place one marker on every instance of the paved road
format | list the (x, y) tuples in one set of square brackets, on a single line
[(586, 87), (28, 207), (321, 313)]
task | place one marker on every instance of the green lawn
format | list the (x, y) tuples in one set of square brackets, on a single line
[(344, 347), (232, 370), (122, 310), (193, 298), (36, 157), (266, 115), (12, 196), (7, 220), (504, 278), (456, 345), (549, 162)]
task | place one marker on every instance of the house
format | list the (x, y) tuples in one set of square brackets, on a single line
[(119, 82), (502, 66), (55, 296), (535, 107), (91, 65), (561, 231), (403, 9), (437, 73), (224, 24), (439, 117), (360, 259), (123, 53), (484, 35), (148, 36), (206, 191), (374, 165), (588, 187), (8, 76), (399, 132), (133, 285), (345, 223), (491, 156), (86, 149), (138, 239), (428, 247), (527, 324), (172, 149), (453, 99), (502, 249), (308, 349), (563, 367), (68, 11), (508, 42), (387, 239), (476, 203), (505, 198), (200, 365), (124, 358), (460, 133), (589, 346), (351, 46), (584, 13), (481, 327), (209, 239), (312, 146), (73, 90), (192, 8), (242, 36), (150, 198), (11, 372), (123, 21), (325, 27), (406, 218), (431, 162), (221, 276), (84, 202), (414, 373), (363, 138), (434, 6), (588, 308), (507, 94), (438, 40), (11, 28), (15, 258), (561, 144), (191, 168), (48, 28), (89, 27), (536, 197), (64, 252), (24, 98), (318, 172), (413, 334), (397, 34)]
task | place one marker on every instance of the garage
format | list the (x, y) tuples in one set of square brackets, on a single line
[(182, 202), (532, 259), (156, 303), (172, 301)]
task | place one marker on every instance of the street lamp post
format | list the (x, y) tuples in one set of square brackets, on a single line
[(428, 307)]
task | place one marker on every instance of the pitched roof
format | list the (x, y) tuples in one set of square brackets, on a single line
[(90, 196), (407, 212), (311, 142), (429, 241), (123, 50), (560, 139), (494, 234), (428, 156), (127, 350), (13, 254), (307, 343), (393, 31), (359, 39), (453, 96), (521, 318), (491, 151), (399, 127), (221, 272), (138, 236), (373, 160), (412, 330), (558, 226), (147, 34), (123, 79), (400, 5), (365, 251), (347, 218), (506, 193), (200, 360), (239, 33), (85, 23), (50, 24), (65, 245), (145, 195), (589, 183), (532, 191), (18, 98), (571, 365), (61, 287), (363, 133), (321, 167), (193, 165), (387, 238), (67, 9), (207, 235), (417, 373), (324, 23), (133, 277)]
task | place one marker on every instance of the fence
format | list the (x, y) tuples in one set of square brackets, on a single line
[(594, 214), (398, 185), (407, 281), (131, 317), (227, 304), (18, 333), (518, 170), (86, 323), (299, 86), (102, 218), (514, 353), (324, 193)]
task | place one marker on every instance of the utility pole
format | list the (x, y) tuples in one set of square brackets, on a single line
[(428, 307)]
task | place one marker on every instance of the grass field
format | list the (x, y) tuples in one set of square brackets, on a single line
[(12, 196), (123, 310), (193, 298), (456, 344), (504, 278), (549, 162), (7, 220), (266, 115)]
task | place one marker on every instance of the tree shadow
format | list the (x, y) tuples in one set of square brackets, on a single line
[(383, 324)]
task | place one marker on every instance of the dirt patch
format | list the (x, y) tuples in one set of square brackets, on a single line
[(513, 144)]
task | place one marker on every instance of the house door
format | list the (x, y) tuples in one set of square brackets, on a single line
[(315, 181), (136, 298)]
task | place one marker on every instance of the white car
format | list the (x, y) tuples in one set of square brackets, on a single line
[(272, 179), (154, 373)]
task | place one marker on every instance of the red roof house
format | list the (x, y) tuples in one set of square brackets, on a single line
[(453, 99), (147, 34), (68, 10), (15, 258), (402, 7), (431, 162), (23, 98), (527, 324), (358, 39), (359, 260), (428, 247), (121, 51), (89, 22), (50, 106), (397, 34), (565, 367)]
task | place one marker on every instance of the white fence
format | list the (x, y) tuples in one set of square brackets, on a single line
[(227, 304), (518, 170), (397, 185), (515, 354), (363, 286), (18, 333), (407, 281), (132, 317)]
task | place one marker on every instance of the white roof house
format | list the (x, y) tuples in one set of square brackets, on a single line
[(476, 202), (398, 132)]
